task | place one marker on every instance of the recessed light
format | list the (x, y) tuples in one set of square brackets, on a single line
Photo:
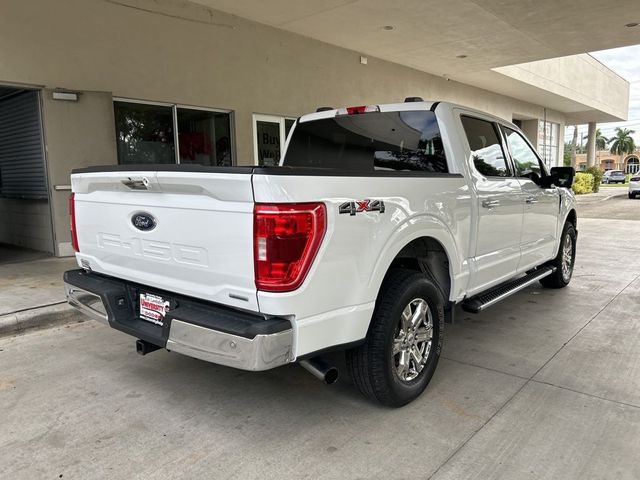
[(461, 56), (388, 27), (632, 24)]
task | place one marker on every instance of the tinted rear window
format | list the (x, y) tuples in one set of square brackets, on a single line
[(396, 141)]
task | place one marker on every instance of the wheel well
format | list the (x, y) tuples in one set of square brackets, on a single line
[(426, 254), (572, 217)]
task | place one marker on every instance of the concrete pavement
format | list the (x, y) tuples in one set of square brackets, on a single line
[(31, 291), (545, 385)]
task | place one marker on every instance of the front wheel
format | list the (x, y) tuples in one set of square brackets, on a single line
[(403, 345), (564, 261)]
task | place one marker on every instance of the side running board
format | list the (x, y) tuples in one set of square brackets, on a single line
[(486, 299)]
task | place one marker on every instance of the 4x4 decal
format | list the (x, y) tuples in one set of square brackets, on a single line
[(362, 206)]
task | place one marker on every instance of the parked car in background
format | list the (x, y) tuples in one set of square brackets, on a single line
[(613, 176), (634, 185)]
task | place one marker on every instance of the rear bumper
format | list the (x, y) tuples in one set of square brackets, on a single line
[(198, 329)]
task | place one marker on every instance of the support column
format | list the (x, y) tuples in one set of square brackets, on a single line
[(591, 145)]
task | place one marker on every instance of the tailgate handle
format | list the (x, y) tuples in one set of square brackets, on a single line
[(136, 184)]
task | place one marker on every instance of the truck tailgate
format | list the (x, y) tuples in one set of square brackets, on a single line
[(194, 234)]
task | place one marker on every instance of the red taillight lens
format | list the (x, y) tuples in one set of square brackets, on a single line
[(72, 217), (286, 239)]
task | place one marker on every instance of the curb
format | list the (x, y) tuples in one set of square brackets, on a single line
[(48, 316)]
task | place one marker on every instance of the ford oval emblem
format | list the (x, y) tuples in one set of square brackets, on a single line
[(143, 221)]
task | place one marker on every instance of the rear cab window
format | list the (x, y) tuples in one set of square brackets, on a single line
[(403, 141)]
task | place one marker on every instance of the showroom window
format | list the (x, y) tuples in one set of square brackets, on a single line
[(270, 135), (149, 133), (548, 133)]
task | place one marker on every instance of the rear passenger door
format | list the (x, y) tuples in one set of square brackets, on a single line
[(541, 205), (499, 205)]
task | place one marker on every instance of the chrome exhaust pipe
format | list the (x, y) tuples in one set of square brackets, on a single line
[(320, 369)]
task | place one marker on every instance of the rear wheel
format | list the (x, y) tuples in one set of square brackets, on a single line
[(564, 261), (632, 195), (403, 345)]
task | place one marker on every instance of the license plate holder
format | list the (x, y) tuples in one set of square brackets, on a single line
[(153, 308)]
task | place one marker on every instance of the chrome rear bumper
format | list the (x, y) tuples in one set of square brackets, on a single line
[(244, 349), (261, 352)]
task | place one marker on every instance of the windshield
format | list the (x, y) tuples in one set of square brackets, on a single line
[(396, 141)]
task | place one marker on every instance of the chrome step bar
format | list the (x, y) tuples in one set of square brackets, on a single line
[(484, 300)]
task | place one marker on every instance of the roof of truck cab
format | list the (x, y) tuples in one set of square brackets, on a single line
[(404, 107), (384, 107)]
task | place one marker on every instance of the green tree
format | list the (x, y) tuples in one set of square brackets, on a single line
[(622, 143), (568, 147), (601, 140)]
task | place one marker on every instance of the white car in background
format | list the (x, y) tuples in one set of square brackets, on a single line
[(634, 185)]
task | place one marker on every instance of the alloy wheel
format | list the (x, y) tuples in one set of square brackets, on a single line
[(412, 339), (567, 258)]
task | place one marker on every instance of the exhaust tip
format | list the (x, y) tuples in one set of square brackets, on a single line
[(320, 369), (331, 376)]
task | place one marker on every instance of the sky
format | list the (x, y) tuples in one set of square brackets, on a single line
[(625, 62)]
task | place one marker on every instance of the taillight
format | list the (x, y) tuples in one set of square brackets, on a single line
[(635, 179), (72, 217), (286, 239)]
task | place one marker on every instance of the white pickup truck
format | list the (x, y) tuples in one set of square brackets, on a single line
[(377, 222)]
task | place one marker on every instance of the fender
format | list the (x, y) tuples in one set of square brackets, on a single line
[(567, 205), (419, 226)]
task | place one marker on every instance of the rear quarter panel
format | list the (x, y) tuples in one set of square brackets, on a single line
[(358, 249)]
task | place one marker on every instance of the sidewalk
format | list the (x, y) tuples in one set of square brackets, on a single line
[(604, 194), (31, 290)]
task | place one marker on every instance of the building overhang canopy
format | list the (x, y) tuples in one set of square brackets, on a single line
[(472, 41)]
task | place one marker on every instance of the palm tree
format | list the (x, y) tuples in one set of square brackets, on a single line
[(601, 140), (622, 143)]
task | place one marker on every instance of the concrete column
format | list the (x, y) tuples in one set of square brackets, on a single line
[(591, 145)]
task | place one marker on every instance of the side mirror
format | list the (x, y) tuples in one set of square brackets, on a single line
[(563, 176)]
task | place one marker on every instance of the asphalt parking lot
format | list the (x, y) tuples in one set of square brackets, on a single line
[(545, 385)]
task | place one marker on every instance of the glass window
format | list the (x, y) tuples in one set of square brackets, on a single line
[(486, 150), (204, 137), (525, 159), (269, 141), (548, 141), (144, 133), (271, 132), (393, 141)]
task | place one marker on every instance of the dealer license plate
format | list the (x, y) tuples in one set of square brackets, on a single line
[(153, 308)]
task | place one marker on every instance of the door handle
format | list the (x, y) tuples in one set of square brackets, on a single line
[(531, 200), (490, 203)]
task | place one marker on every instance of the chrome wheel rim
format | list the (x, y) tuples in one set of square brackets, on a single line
[(412, 339), (567, 257)]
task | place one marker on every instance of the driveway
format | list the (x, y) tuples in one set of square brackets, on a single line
[(545, 385)]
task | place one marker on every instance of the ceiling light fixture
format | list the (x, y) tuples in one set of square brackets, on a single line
[(632, 24), (388, 27), (461, 56)]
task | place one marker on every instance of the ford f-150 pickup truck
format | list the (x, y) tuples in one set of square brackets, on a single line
[(378, 220)]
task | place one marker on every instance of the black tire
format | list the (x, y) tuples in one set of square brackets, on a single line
[(632, 196), (559, 279), (373, 365)]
